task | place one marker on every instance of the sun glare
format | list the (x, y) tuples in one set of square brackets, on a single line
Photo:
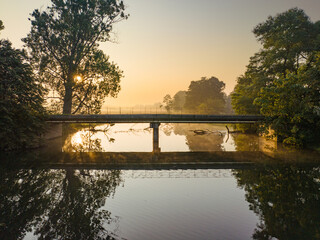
[(78, 78), (77, 138)]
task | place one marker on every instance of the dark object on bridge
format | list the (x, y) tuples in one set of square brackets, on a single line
[(156, 118)]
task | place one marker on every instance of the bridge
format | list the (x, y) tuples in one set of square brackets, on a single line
[(154, 120)]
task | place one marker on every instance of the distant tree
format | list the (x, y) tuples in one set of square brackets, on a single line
[(282, 80), (178, 101), (228, 106), (167, 101), (1, 25), (21, 98), (206, 96), (63, 44)]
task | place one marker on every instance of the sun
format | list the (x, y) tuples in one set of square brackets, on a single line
[(78, 78)]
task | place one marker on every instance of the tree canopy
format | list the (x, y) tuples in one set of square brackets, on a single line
[(63, 45), (1, 25), (282, 80), (206, 96), (175, 103), (21, 98)]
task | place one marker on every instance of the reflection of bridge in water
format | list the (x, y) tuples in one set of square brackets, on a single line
[(179, 173), (166, 161), (155, 120)]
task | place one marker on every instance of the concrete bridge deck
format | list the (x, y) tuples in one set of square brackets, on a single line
[(154, 118)]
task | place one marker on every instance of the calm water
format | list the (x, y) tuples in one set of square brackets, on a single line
[(104, 182)]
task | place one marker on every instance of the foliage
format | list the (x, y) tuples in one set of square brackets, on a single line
[(167, 101), (291, 105), (179, 100), (206, 96), (282, 80), (286, 199), (175, 103), (228, 105), (63, 44), (21, 98), (1, 25)]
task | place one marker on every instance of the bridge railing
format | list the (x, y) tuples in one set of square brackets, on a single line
[(159, 110)]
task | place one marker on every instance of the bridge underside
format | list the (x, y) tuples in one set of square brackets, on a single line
[(154, 118)]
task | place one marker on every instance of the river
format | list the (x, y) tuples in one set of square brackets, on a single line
[(107, 182)]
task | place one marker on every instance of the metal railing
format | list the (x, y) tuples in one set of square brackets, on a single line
[(159, 110)]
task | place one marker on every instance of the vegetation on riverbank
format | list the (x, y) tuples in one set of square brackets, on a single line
[(282, 80), (21, 101)]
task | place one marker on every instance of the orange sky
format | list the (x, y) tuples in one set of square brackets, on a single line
[(165, 44)]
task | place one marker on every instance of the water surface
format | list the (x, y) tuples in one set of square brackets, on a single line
[(105, 182)]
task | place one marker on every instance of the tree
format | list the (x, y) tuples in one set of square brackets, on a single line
[(178, 101), (63, 45), (206, 96), (1, 25), (167, 100), (175, 103), (282, 80), (21, 97)]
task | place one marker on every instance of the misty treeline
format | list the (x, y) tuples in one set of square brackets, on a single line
[(204, 96), (282, 80), (61, 67)]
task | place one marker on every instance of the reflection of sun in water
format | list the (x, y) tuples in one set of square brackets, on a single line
[(77, 138)]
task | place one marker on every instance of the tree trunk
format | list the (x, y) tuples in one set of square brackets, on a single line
[(67, 101)]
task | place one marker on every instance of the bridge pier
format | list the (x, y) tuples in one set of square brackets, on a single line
[(155, 127)]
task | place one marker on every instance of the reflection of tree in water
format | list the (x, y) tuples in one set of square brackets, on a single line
[(286, 199), (167, 129), (245, 142), (83, 138), (56, 204), (211, 141)]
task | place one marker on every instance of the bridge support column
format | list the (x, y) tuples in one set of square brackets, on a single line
[(155, 127)]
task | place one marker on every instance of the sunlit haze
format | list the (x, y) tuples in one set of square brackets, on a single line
[(166, 44)]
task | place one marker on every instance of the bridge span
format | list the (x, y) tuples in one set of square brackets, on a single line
[(154, 118)]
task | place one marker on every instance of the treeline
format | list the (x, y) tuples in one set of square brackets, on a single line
[(204, 96), (282, 80)]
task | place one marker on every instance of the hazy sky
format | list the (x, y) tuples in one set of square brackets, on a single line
[(165, 44)]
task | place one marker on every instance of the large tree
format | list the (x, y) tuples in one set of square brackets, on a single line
[(63, 45), (206, 96), (282, 80)]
